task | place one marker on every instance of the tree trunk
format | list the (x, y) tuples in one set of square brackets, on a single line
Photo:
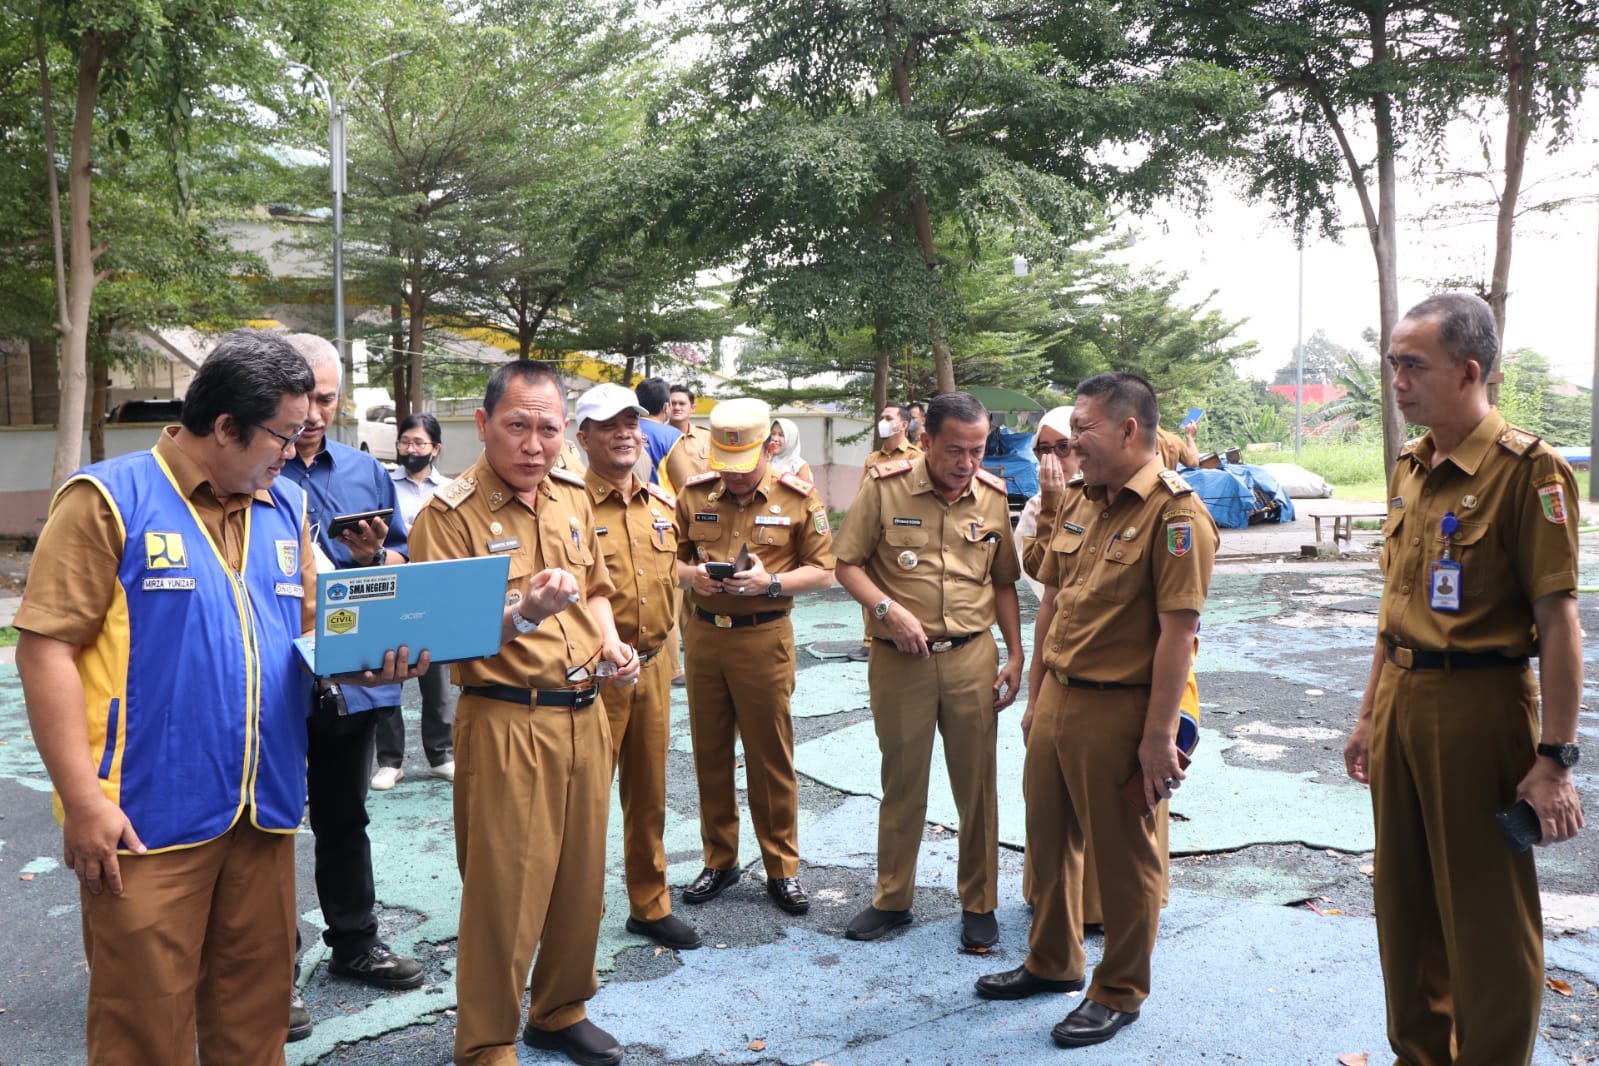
[(98, 403), (1519, 47), (44, 378), (879, 385), (1385, 248), (81, 257)]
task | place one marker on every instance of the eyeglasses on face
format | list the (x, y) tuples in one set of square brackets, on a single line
[(286, 442), (1060, 449)]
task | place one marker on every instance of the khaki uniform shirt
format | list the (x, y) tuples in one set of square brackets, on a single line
[(639, 537), (1118, 565), (938, 560), (73, 575), (1174, 449), (886, 455), (784, 525), (479, 514), (1515, 500), (696, 445)]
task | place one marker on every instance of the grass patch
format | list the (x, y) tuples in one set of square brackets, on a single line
[(8, 636)]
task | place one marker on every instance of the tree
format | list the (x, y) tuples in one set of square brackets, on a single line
[(1330, 71), (162, 63), (1324, 358), (846, 155)]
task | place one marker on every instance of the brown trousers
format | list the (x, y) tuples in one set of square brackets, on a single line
[(639, 717), (200, 945), (739, 682), (953, 693), (1084, 746), (1459, 927), (532, 794)]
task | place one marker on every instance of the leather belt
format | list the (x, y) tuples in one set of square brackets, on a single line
[(1412, 659), (940, 644), (575, 698), (1083, 682), (739, 621), (646, 656)]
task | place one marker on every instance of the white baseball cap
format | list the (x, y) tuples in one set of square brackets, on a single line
[(605, 401)]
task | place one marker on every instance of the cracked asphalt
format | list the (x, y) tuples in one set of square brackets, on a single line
[(1267, 951)]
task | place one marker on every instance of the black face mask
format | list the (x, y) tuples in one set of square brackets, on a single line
[(415, 463)]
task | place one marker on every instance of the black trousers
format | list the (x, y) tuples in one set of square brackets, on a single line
[(438, 719), (338, 770)]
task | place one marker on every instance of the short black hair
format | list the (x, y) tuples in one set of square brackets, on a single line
[(961, 406), (652, 394), (1125, 395), (903, 410), (685, 390), (1466, 327), (245, 377), (527, 371), (425, 422)]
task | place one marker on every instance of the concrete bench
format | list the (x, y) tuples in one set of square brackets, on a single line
[(1343, 525)]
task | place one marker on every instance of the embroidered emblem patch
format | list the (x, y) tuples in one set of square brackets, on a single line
[(1553, 499), (164, 551), (820, 522), (288, 556), (1179, 538)]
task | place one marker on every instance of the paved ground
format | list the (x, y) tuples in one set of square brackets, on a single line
[(1267, 951)]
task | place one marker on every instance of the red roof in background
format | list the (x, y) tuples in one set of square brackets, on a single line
[(1313, 393)]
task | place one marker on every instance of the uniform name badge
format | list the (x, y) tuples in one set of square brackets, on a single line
[(1443, 576)]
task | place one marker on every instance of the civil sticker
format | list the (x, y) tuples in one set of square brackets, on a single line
[(1179, 538), (341, 621), (164, 551), (1553, 499)]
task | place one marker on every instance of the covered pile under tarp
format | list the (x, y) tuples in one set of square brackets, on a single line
[(1240, 495), (1010, 455)]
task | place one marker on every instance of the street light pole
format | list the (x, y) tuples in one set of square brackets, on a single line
[(1299, 360)]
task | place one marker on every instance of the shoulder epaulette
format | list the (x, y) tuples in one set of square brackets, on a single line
[(797, 483), (1174, 483), (1409, 446), (891, 468), (660, 494), (701, 478), (571, 477), (1517, 441), (993, 481), (456, 492)]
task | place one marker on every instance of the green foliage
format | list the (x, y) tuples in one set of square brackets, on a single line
[(1324, 361), (1533, 399)]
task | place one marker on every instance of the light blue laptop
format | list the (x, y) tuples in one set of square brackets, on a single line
[(451, 609)]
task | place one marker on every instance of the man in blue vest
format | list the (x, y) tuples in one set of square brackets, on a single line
[(168, 705), (340, 480)]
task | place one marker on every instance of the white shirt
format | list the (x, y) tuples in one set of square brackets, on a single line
[(414, 494)]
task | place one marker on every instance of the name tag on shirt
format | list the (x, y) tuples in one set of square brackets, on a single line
[(707, 516), (1073, 527), (773, 520), (907, 521), (161, 584), (287, 588), (504, 544), (1443, 585)]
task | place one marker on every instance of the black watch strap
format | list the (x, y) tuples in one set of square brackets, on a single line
[(1564, 754)]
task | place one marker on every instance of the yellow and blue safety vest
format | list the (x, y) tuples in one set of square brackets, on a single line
[(194, 694)]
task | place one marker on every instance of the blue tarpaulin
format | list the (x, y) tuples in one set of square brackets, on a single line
[(1239, 495), (1010, 455)]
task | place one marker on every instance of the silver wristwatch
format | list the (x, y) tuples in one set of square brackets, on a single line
[(880, 611), (522, 622)]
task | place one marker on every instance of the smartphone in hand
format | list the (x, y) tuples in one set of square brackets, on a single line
[(1521, 825)]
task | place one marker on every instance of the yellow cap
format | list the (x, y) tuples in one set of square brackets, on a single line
[(738, 429)]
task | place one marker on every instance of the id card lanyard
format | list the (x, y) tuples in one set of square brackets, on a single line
[(1443, 576)]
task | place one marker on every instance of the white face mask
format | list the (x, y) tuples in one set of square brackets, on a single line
[(885, 428)]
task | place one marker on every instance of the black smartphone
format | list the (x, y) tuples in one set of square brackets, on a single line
[(721, 571), (344, 522), (1521, 825)]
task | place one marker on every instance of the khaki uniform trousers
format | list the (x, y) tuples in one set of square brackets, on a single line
[(640, 721), (199, 944), (1093, 913), (532, 794), (1459, 927), (951, 692), (740, 681), (1084, 747)]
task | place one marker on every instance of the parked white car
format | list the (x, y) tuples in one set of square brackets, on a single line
[(377, 432)]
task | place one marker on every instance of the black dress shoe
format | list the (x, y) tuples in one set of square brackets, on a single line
[(379, 967), (872, 923), (670, 931), (582, 1042), (1021, 983), (979, 931), (1091, 1023), (789, 894), (710, 884)]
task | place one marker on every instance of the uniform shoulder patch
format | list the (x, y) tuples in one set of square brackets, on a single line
[(1409, 446), (456, 492), (569, 476), (993, 481), (1174, 483), (660, 494), (797, 483), (891, 468), (701, 478), (1517, 441)]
